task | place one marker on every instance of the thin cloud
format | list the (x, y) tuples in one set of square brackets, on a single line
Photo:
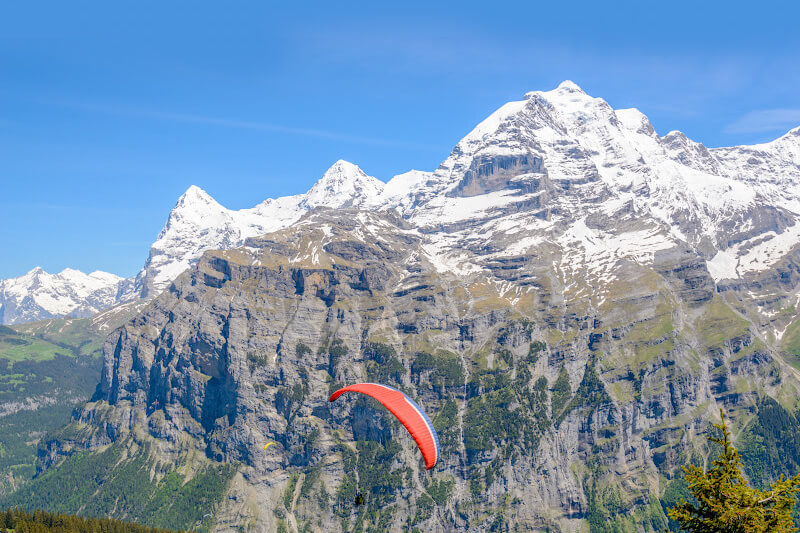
[(766, 120), (74, 209), (251, 125)]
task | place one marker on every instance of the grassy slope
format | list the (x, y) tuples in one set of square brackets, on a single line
[(16, 346), (791, 344)]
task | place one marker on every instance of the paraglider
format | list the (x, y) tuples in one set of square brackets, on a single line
[(267, 445), (407, 412)]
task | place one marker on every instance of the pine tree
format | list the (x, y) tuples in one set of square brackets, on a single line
[(727, 504)]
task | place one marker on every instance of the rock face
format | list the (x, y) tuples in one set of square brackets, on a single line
[(550, 406)]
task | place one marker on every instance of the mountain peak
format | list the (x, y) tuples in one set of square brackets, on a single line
[(341, 173), (194, 196), (343, 185), (570, 86), (342, 165), (634, 120)]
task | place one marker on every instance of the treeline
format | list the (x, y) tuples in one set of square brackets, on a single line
[(20, 521)]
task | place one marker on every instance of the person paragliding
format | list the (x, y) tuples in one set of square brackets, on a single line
[(407, 412)]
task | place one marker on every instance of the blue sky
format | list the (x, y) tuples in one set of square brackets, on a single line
[(110, 110)]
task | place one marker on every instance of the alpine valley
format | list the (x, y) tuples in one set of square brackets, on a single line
[(570, 296)]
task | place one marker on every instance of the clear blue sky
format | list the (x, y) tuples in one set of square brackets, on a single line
[(110, 110)]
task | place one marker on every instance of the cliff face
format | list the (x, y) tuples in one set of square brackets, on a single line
[(554, 405)]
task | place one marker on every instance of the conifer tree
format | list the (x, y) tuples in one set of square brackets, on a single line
[(727, 504)]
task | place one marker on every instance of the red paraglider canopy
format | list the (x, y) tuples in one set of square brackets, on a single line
[(407, 412)]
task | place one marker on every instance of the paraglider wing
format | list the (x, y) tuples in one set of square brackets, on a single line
[(407, 412), (267, 445)]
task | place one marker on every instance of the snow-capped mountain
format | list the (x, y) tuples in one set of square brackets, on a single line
[(603, 289), (198, 223), (342, 185), (563, 169), (38, 295), (560, 172)]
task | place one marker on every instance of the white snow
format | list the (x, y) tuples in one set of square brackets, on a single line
[(751, 256), (723, 266), (443, 209), (343, 185), (633, 119)]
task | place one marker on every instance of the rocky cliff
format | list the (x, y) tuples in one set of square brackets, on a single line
[(563, 398)]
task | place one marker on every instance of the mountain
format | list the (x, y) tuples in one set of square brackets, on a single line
[(563, 157), (343, 185), (198, 223), (552, 412), (38, 295), (570, 296)]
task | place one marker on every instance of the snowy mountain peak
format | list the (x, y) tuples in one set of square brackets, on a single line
[(342, 166), (675, 134), (793, 135), (195, 208), (570, 86), (343, 185), (195, 197)]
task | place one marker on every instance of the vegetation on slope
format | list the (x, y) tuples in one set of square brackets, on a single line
[(21, 521), (46, 369), (723, 500), (117, 482)]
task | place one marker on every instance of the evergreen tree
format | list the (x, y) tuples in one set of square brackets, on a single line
[(20, 521), (727, 504)]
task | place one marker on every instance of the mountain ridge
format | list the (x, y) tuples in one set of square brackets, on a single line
[(552, 153)]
